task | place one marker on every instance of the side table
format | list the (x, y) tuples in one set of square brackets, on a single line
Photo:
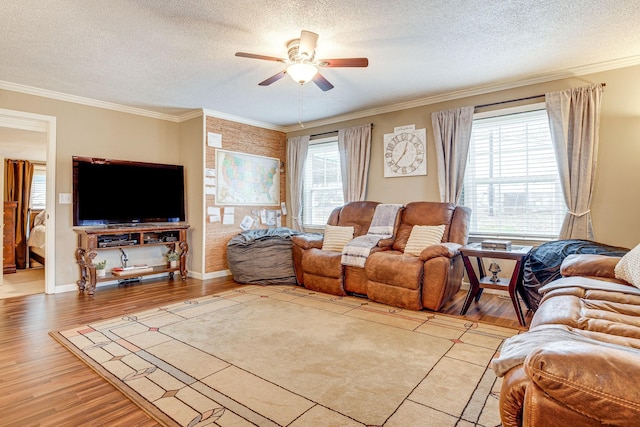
[(513, 285)]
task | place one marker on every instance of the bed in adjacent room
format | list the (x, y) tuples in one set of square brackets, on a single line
[(36, 240)]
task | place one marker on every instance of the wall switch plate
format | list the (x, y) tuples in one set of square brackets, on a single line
[(64, 198)]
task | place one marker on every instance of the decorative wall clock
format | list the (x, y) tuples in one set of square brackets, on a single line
[(405, 152)]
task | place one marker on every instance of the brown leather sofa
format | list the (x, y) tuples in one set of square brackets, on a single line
[(323, 271), (427, 281), (579, 363)]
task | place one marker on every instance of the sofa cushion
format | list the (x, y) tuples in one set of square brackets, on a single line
[(395, 269), (336, 237), (422, 236), (628, 268), (322, 263), (422, 213), (356, 214)]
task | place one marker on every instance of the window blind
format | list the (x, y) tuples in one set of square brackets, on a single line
[(511, 181), (38, 199), (322, 188)]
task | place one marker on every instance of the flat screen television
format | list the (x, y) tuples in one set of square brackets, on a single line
[(124, 192)]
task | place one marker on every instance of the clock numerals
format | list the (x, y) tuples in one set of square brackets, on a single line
[(404, 154)]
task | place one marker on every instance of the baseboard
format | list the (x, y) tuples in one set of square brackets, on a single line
[(215, 275)]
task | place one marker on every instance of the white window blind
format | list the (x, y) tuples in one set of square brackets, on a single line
[(38, 198), (511, 181), (322, 188)]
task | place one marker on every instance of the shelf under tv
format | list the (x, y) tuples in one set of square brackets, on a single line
[(94, 239)]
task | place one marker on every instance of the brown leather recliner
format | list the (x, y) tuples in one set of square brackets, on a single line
[(322, 270), (583, 371), (427, 281)]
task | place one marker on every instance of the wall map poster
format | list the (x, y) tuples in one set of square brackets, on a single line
[(245, 179), (405, 152)]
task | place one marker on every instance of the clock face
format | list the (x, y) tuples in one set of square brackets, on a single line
[(404, 154)]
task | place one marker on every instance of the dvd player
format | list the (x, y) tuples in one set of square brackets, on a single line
[(113, 243)]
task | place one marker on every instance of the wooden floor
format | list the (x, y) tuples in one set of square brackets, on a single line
[(43, 384)]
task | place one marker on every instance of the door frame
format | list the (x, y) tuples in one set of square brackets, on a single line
[(47, 125)]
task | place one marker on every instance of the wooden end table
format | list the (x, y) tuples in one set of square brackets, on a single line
[(513, 285)]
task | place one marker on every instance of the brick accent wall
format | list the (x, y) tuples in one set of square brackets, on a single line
[(246, 139)]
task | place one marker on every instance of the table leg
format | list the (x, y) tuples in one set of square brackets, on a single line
[(474, 285), (513, 292)]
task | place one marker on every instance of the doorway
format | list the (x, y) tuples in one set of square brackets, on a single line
[(19, 133)]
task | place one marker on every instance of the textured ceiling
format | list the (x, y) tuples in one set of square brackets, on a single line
[(174, 56)]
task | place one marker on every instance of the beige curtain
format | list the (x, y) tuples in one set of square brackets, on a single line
[(452, 134), (354, 147), (17, 188), (574, 119), (297, 148)]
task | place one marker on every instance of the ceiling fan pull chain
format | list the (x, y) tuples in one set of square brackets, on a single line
[(300, 106)]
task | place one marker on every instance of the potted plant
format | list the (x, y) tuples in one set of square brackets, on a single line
[(101, 268), (172, 259)]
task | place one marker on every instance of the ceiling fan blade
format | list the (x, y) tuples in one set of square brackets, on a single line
[(273, 78), (344, 62), (322, 83), (263, 57), (308, 41)]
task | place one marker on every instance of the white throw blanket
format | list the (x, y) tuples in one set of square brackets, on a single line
[(355, 252), (516, 349)]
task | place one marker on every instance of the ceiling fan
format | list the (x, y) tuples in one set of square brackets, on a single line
[(302, 66)]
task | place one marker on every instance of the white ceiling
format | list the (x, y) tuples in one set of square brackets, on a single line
[(21, 144), (175, 56)]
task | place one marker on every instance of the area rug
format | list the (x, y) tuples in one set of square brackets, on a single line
[(286, 356)]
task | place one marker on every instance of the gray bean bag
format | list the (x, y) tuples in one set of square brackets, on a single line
[(262, 256)]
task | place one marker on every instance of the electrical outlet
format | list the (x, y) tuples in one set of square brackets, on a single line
[(64, 198)]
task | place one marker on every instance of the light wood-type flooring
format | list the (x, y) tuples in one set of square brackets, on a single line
[(23, 282), (43, 384)]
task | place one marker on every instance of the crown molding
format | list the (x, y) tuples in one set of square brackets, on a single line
[(243, 120), (190, 115), (45, 93), (477, 90)]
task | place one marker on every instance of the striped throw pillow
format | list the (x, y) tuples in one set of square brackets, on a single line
[(628, 268), (422, 236), (335, 237)]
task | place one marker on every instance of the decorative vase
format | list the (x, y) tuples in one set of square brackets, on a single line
[(173, 264), (101, 272)]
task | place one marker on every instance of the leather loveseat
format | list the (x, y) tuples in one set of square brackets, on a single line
[(579, 363), (389, 275)]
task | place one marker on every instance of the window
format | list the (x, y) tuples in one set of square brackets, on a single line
[(38, 198), (322, 188), (511, 182)]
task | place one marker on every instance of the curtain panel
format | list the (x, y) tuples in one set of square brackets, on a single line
[(17, 188), (354, 147), (297, 148), (574, 120), (452, 134)]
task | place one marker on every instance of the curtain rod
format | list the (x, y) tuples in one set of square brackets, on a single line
[(516, 100), (328, 133)]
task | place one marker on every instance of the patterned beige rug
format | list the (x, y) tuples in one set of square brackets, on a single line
[(286, 356)]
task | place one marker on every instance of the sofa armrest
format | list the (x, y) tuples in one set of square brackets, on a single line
[(595, 380), (448, 250), (386, 243), (589, 265), (514, 386), (308, 241)]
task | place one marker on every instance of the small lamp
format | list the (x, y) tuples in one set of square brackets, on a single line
[(494, 268)]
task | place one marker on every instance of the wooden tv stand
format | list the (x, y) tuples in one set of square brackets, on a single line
[(92, 240)]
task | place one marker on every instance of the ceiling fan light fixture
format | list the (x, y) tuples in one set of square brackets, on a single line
[(302, 72)]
